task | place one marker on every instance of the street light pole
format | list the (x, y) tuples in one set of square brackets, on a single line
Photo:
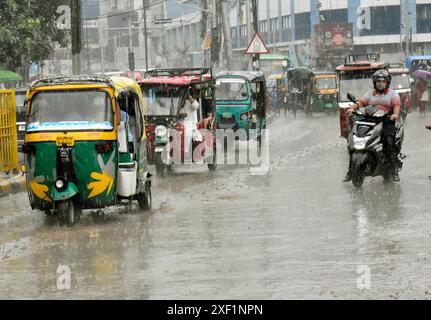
[(144, 12)]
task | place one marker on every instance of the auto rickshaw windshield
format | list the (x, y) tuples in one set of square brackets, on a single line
[(356, 83), (231, 89), (400, 81), (326, 83), (71, 110), (163, 101)]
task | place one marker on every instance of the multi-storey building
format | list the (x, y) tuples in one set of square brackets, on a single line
[(377, 26)]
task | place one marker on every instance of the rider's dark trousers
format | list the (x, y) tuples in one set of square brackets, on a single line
[(389, 148)]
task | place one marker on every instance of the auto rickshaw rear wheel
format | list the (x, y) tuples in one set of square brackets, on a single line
[(145, 199)]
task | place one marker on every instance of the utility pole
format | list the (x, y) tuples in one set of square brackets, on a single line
[(226, 33), (407, 20), (76, 30), (255, 29), (204, 23), (144, 12)]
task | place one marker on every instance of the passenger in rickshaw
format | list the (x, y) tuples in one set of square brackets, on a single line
[(206, 110), (190, 121), (123, 118)]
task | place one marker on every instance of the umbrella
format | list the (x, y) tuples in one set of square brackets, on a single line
[(6, 75), (423, 74)]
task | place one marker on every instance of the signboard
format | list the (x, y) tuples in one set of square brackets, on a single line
[(257, 46), (206, 44), (334, 36), (274, 57)]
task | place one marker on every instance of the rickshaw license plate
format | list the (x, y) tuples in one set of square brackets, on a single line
[(227, 115), (68, 141)]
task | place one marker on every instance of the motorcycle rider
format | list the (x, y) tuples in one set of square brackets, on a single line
[(389, 101)]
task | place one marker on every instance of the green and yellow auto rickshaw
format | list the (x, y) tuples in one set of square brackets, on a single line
[(85, 145), (242, 102), (325, 92)]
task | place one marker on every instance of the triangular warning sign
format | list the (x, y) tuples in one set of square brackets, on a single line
[(257, 46)]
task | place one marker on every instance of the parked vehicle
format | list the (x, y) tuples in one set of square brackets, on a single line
[(85, 146)]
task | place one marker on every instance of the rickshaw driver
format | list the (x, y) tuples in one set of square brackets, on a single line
[(388, 100)]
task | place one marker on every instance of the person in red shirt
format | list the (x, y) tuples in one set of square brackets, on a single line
[(389, 101), (420, 88)]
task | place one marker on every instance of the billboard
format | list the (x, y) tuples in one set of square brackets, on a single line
[(334, 36)]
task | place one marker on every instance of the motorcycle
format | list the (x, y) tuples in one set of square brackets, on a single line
[(366, 147)]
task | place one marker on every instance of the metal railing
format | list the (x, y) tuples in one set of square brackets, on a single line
[(8, 132)]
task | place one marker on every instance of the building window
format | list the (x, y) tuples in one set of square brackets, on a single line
[(263, 26), (243, 31), (114, 4), (274, 24), (302, 26), (380, 24), (335, 16), (423, 18), (286, 23), (233, 33)]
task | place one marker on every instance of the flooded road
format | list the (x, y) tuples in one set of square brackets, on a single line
[(296, 233)]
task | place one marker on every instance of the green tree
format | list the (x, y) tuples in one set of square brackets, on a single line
[(28, 31)]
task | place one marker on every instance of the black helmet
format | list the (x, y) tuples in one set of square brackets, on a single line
[(381, 74)]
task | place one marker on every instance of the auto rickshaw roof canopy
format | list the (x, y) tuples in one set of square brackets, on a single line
[(362, 65), (252, 76), (324, 75), (399, 71), (301, 73), (177, 77)]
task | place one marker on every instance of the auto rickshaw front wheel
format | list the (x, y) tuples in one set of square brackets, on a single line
[(145, 199), (160, 166), (68, 212)]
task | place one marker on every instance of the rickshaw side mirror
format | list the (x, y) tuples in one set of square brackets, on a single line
[(351, 97)]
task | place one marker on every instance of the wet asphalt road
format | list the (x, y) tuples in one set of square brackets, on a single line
[(296, 233)]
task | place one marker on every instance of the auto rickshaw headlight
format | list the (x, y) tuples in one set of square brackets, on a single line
[(60, 184), (244, 116), (320, 96), (161, 131)]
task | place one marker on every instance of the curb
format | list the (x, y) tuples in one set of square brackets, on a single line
[(12, 185)]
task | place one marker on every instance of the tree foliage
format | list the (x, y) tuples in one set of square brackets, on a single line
[(28, 31)]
